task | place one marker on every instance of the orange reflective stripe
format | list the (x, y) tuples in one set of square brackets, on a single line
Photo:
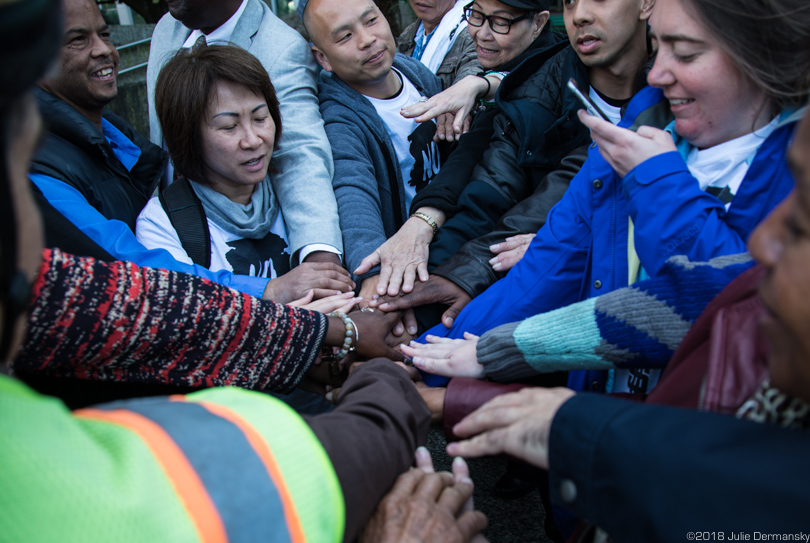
[(182, 476), (266, 455)]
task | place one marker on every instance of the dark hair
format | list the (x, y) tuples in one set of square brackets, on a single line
[(183, 91), (767, 40)]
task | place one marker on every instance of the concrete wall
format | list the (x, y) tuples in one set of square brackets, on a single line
[(131, 102)]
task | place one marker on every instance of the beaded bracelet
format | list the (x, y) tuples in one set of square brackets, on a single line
[(351, 334)]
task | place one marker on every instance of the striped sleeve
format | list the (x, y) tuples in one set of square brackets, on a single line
[(115, 321), (195, 468), (636, 326)]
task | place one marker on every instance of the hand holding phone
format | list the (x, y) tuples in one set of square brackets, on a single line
[(590, 107)]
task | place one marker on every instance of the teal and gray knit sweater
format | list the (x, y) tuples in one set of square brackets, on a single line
[(639, 326)]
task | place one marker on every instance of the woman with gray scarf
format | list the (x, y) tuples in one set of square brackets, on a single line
[(221, 123)]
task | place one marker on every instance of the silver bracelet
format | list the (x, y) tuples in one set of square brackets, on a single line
[(350, 340)]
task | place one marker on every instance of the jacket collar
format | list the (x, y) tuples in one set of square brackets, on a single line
[(246, 28), (67, 123)]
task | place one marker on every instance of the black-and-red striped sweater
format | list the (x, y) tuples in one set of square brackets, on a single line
[(115, 321)]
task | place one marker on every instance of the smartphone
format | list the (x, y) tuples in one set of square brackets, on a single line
[(590, 107)]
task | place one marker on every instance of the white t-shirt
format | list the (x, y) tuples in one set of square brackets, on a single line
[(614, 113), (417, 153), (268, 257)]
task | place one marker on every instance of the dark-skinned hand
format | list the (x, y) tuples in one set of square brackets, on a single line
[(437, 289), (325, 278)]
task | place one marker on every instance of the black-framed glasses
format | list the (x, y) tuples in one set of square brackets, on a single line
[(498, 24)]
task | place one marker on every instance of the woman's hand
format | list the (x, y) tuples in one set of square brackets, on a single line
[(445, 356), (624, 149), (403, 256), (343, 302), (509, 252), (457, 100), (324, 278), (517, 423)]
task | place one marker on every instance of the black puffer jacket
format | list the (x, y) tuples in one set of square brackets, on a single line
[(536, 153), (444, 191), (537, 126), (76, 153)]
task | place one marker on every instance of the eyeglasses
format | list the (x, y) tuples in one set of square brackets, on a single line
[(499, 25)]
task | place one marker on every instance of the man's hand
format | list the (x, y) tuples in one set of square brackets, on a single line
[(509, 252), (436, 290), (403, 256), (624, 149), (445, 356), (372, 331), (425, 507), (325, 279), (517, 423)]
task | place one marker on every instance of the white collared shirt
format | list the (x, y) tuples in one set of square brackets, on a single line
[(222, 34)]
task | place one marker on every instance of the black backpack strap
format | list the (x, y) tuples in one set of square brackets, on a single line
[(186, 213)]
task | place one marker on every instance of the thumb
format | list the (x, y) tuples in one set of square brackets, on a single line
[(449, 316), (367, 263)]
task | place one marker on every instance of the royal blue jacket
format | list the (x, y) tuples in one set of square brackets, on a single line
[(581, 252)]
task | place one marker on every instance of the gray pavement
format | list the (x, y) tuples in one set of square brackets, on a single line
[(510, 521)]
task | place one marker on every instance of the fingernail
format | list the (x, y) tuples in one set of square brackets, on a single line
[(417, 361), (494, 247), (458, 461), (412, 330), (467, 481), (496, 266), (451, 449), (329, 397), (493, 260), (422, 450), (384, 306)]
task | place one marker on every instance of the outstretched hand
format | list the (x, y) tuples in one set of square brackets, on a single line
[(518, 423), (373, 332), (509, 252), (457, 101), (447, 357), (436, 290), (343, 302), (624, 149), (324, 278), (402, 258)]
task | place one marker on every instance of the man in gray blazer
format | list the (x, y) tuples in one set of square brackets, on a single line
[(304, 158)]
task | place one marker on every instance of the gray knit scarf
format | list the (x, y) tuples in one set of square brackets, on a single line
[(247, 221)]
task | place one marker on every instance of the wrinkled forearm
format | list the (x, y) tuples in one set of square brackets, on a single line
[(118, 322)]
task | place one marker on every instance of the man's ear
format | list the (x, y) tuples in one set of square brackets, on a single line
[(646, 9), (539, 22), (321, 58)]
